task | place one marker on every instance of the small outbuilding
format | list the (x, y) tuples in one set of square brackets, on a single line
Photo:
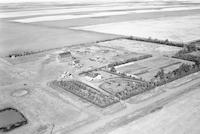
[(64, 56)]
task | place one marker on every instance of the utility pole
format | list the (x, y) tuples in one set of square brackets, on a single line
[(53, 125)]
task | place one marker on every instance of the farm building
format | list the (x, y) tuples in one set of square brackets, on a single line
[(64, 56), (93, 76)]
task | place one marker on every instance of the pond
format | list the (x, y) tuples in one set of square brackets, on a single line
[(10, 119)]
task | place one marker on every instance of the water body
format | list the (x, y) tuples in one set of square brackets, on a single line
[(10, 117)]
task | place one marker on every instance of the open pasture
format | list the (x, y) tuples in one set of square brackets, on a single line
[(180, 116), (41, 108)]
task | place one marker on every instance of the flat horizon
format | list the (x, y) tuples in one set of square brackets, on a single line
[(83, 1)]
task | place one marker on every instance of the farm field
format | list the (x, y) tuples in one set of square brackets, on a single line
[(49, 9), (58, 29), (142, 47), (90, 15), (169, 28), (55, 38)]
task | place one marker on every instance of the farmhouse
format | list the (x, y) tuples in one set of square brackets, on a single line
[(132, 75), (93, 76)]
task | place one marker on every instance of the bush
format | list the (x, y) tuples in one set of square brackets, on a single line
[(166, 42)]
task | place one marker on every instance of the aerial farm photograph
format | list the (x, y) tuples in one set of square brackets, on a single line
[(99, 66)]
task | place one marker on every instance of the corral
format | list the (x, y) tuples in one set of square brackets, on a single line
[(148, 68)]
